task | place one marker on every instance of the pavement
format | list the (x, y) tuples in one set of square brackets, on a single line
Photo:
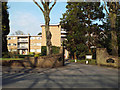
[(72, 75)]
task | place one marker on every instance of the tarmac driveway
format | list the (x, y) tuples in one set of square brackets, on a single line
[(70, 76)]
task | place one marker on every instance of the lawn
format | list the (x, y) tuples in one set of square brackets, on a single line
[(93, 61), (11, 58)]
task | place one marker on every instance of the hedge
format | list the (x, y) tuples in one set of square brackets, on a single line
[(23, 56)]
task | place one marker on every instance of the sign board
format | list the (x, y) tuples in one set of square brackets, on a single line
[(88, 56)]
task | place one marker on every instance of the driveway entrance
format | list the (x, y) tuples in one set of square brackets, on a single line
[(70, 76)]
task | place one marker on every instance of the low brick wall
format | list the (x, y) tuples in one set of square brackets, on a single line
[(42, 61), (102, 56)]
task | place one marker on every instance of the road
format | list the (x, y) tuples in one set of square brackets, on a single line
[(73, 75)]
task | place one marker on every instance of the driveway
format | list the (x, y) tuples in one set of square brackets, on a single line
[(73, 75)]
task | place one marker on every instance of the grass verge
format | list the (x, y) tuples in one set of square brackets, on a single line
[(93, 61)]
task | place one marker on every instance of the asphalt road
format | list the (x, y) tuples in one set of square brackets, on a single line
[(70, 76)]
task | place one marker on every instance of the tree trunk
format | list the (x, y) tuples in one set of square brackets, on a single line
[(48, 34), (75, 57), (114, 43)]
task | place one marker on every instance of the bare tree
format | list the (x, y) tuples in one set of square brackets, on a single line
[(46, 12), (19, 32), (112, 9)]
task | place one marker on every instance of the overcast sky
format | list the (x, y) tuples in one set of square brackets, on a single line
[(27, 17)]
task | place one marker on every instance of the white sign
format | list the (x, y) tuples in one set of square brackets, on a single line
[(88, 56)]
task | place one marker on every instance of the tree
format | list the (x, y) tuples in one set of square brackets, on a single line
[(112, 9), (75, 37), (46, 12), (40, 33), (5, 26), (19, 32), (118, 31), (78, 22)]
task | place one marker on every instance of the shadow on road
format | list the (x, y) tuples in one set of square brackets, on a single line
[(13, 75), (75, 75)]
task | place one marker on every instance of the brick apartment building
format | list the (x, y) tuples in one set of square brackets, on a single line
[(23, 44)]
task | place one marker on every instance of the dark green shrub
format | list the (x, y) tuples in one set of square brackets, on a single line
[(23, 56), (94, 53), (37, 55), (43, 50), (31, 53), (55, 50), (6, 54)]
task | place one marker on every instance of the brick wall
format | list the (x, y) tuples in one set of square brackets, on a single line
[(102, 56), (56, 35)]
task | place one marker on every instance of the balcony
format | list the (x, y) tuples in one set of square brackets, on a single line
[(22, 47), (63, 36), (23, 40)]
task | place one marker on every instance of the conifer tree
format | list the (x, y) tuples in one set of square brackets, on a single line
[(78, 22), (5, 26)]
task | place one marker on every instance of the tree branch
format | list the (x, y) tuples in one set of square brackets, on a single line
[(105, 7), (42, 2), (53, 5), (117, 5), (38, 5)]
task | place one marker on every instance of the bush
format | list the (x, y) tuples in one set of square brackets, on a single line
[(31, 53), (55, 50), (43, 50), (37, 55), (8, 55), (94, 53), (23, 56)]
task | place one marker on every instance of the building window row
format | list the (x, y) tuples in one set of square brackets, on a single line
[(9, 38), (12, 44), (35, 44), (32, 38), (12, 50), (35, 50)]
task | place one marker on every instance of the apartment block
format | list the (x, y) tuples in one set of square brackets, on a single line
[(23, 44)]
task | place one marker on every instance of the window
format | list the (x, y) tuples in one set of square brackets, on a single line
[(38, 44), (39, 50), (9, 44), (32, 50), (14, 44), (35, 44), (14, 38), (9, 50), (32, 38), (8, 38), (38, 38), (14, 50), (32, 44)]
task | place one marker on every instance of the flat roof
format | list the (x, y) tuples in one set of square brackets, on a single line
[(23, 35), (50, 24)]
